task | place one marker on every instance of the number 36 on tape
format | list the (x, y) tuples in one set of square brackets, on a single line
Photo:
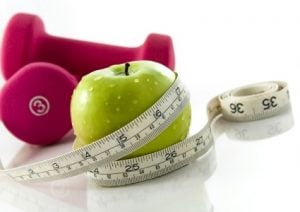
[(100, 159)]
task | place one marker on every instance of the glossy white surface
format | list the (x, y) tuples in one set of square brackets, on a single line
[(219, 45)]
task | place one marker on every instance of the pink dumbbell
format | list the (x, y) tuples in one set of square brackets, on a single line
[(42, 71), (35, 103), (26, 41)]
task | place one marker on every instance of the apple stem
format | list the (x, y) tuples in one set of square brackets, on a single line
[(126, 69)]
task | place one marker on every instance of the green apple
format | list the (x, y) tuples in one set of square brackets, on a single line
[(105, 100)]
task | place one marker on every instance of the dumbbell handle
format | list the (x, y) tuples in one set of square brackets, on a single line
[(92, 55), (26, 41)]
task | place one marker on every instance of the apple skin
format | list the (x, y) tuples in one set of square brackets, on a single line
[(105, 100)]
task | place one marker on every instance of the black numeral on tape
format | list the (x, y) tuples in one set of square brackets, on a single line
[(269, 103), (132, 167), (86, 155), (30, 171), (122, 138), (178, 92), (95, 172), (236, 108), (157, 114), (200, 141), (170, 155), (55, 166)]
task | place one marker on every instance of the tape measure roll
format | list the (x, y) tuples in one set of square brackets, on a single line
[(100, 159)]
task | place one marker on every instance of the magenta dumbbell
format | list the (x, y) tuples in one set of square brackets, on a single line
[(42, 71), (35, 103), (26, 41)]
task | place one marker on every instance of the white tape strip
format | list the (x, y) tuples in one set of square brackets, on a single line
[(99, 159)]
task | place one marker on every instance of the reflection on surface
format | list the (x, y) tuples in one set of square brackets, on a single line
[(182, 190), (52, 196), (62, 195), (261, 129)]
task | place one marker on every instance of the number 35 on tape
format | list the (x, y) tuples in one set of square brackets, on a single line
[(100, 160)]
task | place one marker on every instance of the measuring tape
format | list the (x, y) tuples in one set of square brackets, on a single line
[(100, 158)]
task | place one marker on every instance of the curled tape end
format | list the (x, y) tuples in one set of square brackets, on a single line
[(247, 103), (213, 108)]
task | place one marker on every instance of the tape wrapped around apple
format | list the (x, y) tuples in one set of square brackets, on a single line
[(106, 100)]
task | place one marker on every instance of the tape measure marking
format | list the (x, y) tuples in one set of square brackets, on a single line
[(112, 147), (155, 164), (99, 159)]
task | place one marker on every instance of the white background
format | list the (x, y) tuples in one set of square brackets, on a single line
[(219, 45)]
